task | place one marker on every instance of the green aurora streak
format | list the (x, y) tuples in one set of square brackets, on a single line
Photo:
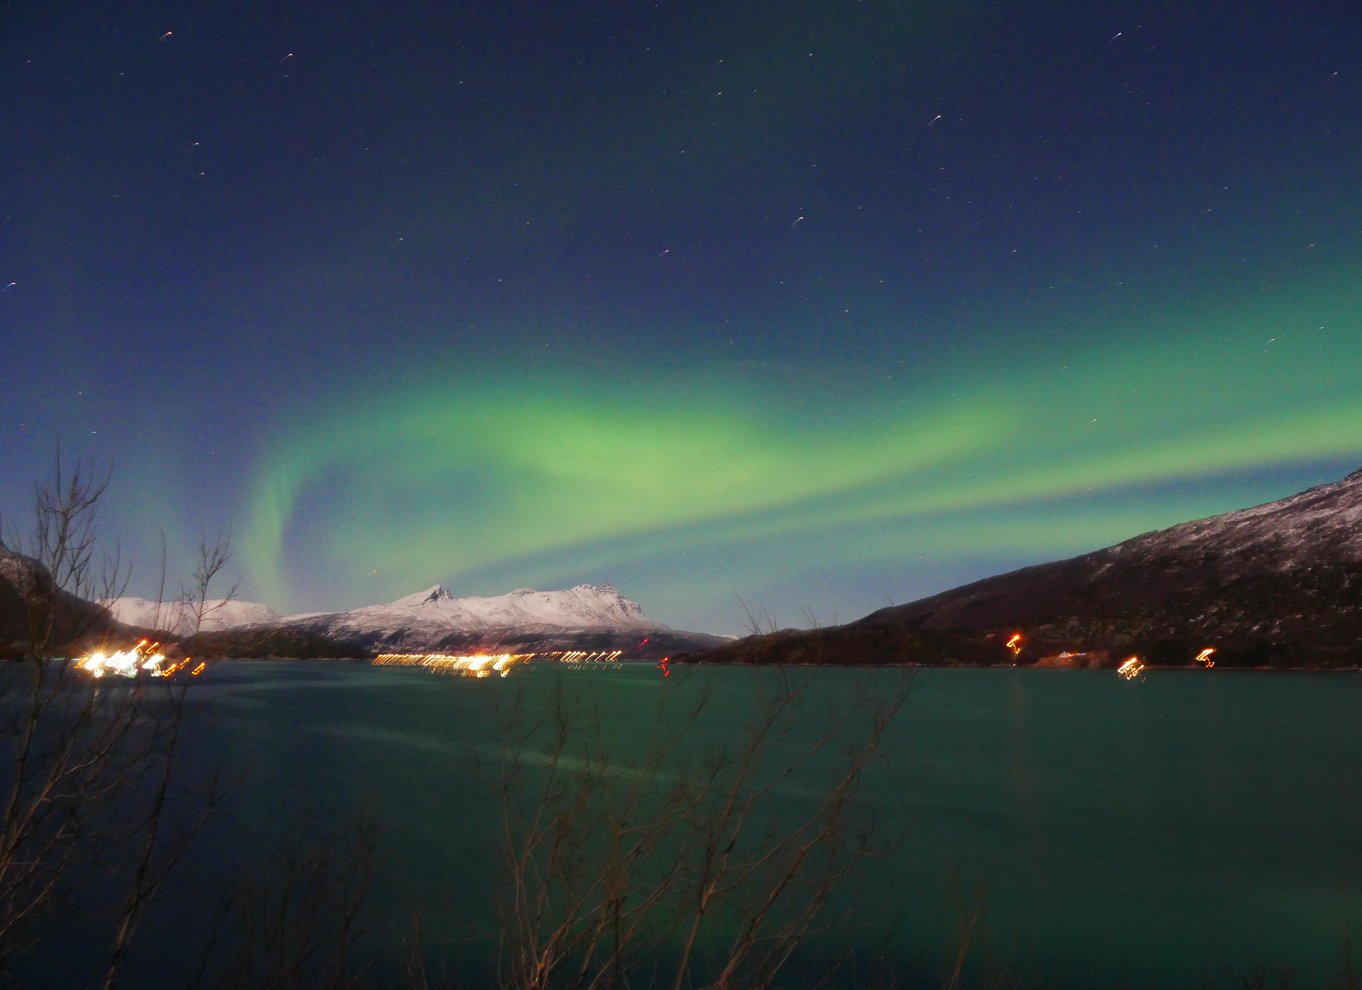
[(504, 469)]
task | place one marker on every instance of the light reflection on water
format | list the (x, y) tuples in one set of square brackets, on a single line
[(1119, 832)]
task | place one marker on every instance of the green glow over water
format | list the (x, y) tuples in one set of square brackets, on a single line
[(1118, 832)]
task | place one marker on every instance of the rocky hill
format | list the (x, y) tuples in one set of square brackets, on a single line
[(35, 616), (1279, 584)]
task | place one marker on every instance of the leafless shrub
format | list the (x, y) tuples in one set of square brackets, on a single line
[(90, 787), (974, 962), (195, 605), (758, 622), (653, 863), (63, 538), (298, 920)]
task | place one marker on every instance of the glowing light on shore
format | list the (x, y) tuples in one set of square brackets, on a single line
[(1015, 644), (1204, 657), (470, 665), (143, 659), (487, 664), (1131, 669)]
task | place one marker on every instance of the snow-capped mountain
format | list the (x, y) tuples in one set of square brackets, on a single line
[(583, 607), (589, 617), (437, 617), (177, 618)]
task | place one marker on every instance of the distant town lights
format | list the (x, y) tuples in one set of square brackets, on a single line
[(142, 659), (487, 664)]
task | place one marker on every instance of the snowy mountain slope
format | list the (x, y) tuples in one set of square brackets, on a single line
[(435, 617), (1277, 584), (585, 606), (587, 617), (177, 618), (1297, 555), (1321, 523)]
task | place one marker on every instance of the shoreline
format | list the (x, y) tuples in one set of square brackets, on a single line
[(369, 661)]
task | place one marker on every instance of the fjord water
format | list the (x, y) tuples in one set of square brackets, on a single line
[(1144, 833)]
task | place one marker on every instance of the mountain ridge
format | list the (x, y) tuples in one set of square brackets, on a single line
[(586, 616), (1276, 584), (178, 618)]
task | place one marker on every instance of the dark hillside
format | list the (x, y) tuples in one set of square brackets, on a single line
[(1278, 584)]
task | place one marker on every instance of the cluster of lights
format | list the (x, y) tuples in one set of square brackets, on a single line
[(582, 656), (487, 664), (1131, 669), (472, 665), (144, 659), (1015, 644)]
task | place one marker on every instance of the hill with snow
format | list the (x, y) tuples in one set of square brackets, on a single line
[(1276, 584), (437, 619), (177, 618), (586, 617), (1289, 568), (584, 607)]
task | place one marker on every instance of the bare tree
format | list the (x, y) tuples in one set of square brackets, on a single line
[(758, 622), (195, 605), (168, 813), (62, 539), (299, 919), (679, 867), (89, 784)]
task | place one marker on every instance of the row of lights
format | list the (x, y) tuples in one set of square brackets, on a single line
[(143, 659), (1132, 667), (487, 664)]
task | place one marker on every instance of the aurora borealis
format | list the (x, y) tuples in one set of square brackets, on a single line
[(819, 308)]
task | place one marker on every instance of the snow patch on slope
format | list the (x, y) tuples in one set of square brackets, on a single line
[(1288, 533)]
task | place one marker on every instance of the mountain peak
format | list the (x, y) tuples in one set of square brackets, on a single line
[(583, 606), (435, 593), (605, 590)]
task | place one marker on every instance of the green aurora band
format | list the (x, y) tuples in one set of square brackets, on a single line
[(540, 476)]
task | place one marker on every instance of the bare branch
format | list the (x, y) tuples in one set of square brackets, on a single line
[(212, 558), (638, 861)]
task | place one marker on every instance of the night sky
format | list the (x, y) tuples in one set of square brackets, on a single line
[(826, 305)]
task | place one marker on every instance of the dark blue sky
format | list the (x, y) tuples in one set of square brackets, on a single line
[(822, 305)]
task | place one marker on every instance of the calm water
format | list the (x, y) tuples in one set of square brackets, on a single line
[(1117, 833)]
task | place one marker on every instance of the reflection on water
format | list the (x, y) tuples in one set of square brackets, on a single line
[(1114, 835), (480, 665)]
